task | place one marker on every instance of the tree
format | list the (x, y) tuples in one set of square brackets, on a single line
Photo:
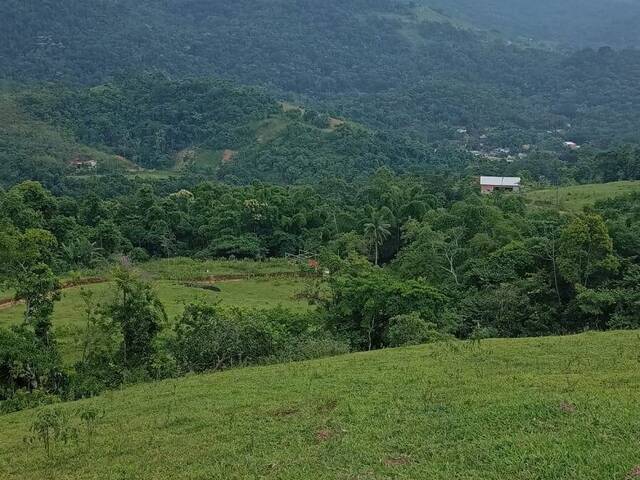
[(24, 265), (139, 313), (364, 298), (586, 250), (39, 288), (376, 231)]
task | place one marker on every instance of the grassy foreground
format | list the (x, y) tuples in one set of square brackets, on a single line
[(577, 197), (552, 408)]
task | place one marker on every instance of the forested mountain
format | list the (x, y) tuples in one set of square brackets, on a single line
[(199, 127), (390, 65), (571, 22)]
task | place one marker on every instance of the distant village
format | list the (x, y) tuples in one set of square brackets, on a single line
[(507, 154)]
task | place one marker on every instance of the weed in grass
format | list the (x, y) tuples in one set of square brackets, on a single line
[(91, 417), (50, 426)]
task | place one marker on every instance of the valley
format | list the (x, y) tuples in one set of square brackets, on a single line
[(291, 239)]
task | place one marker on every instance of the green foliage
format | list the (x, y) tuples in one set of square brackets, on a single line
[(24, 364), (213, 338), (586, 250), (411, 329), (364, 299), (376, 61), (90, 417), (39, 288), (49, 427), (139, 314)]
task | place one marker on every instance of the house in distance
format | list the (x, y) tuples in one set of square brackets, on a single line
[(504, 184)]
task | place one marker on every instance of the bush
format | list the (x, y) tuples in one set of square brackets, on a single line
[(23, 399), (211, 338), (314, 345), (411, 329), (26, 365), (205, 339), (139, 255)]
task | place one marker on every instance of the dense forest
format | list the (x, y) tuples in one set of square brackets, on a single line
[(193, 127), (386, 64), (207, 128)]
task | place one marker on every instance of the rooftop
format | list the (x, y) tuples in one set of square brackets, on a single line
[(501, 181)]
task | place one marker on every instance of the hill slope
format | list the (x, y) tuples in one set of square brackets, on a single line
[(380, 62), (576, 197), (572, 22), (552, 408), (207, 127)]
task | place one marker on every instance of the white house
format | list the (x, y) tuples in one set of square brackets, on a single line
[(508, 184)]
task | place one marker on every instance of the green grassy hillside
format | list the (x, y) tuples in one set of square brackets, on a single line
[(577, 197), (552, 408)]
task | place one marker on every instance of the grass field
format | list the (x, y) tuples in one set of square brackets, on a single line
[(579, 196), (169, 279), (69, 314), (553, 409), (189, 269)]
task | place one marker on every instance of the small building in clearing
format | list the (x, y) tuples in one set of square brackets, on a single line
[(505, 184)]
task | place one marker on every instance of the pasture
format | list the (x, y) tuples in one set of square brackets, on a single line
[(576, 197), (557, 408), (240, 283)]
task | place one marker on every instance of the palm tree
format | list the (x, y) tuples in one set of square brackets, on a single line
[(376, 231)]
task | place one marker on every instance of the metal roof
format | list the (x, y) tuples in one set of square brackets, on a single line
[(501, 181)]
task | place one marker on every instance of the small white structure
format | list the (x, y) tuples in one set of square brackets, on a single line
[(491, 184), (571, 145)]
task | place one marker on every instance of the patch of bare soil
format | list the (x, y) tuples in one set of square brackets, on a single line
[(286, 411), (568, 407), (396, 461), (634, 473), (328, 406), (335, 123), (229, 155), (324, 435)]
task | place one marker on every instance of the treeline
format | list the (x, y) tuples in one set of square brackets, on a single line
[(434, 229), (209, 220)]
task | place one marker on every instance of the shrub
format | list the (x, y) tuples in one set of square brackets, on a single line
[(205, 339), (314, 345), (139, 255), (211, 338), (23, 399), (26, 365), (411, 329), (50, 426)]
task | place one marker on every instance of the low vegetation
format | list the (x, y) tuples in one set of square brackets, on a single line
[(550, 409)]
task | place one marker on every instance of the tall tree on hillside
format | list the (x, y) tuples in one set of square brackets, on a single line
[(376, 231)]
